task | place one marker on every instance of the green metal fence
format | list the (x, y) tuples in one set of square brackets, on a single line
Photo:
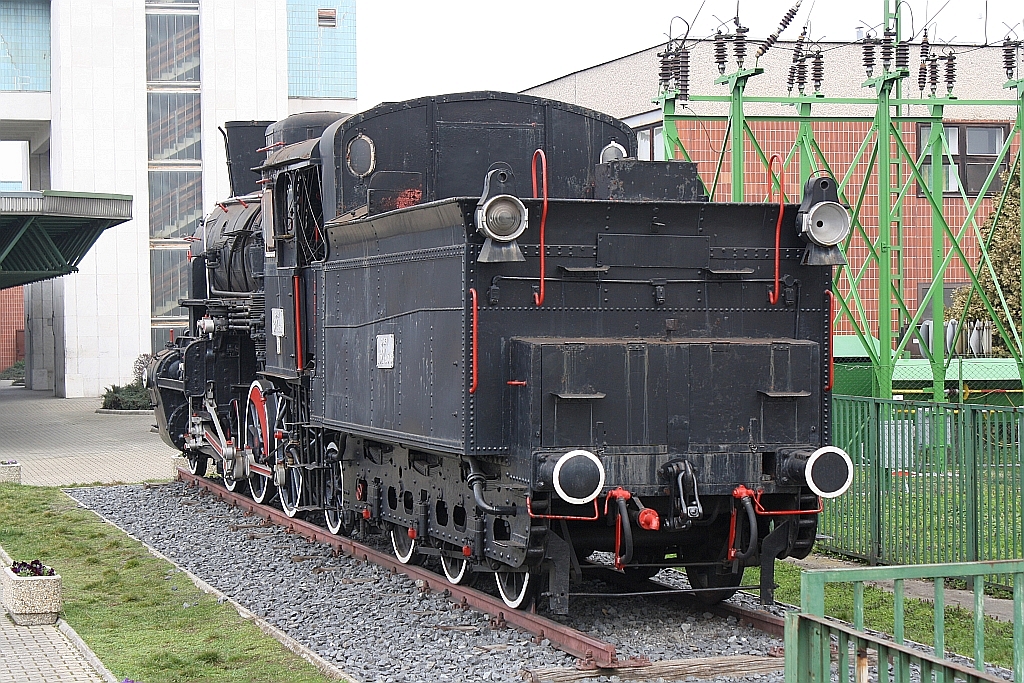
[(812, 641), (933, 482)]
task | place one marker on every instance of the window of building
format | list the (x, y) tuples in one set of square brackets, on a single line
[(168, 269), (650, 144), (327, 18), (175, 203), (974, 148), (172, 48)]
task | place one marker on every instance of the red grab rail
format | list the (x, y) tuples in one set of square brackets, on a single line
[(538, 297), (773, 296), (472, 294)]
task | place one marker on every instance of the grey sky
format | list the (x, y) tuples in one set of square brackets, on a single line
[(412, 48)]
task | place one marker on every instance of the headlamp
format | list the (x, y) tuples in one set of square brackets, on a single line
[(503, 218)]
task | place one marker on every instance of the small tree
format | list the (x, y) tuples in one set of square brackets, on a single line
[(1004, 252)]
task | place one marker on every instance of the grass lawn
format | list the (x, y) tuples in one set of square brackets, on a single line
[(130, 607), (918, 615)]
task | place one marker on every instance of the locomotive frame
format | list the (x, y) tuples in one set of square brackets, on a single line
[(509, 383)]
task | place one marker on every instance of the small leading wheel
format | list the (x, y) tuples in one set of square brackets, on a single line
[(291, 490), (198, 462), (230, 483), (334, 498), (260, 487), (456, 570), (708, 577), (517, 588), (406, 548)]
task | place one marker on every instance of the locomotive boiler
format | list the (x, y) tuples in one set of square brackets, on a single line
[(478, 324)]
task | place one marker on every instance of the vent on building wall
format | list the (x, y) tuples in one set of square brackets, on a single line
[(327, 17)]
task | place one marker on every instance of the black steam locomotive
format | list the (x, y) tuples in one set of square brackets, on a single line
[(478, 324)]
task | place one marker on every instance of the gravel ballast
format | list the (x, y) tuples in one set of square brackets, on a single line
[(378, 626)]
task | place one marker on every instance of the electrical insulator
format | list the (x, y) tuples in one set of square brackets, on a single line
[(933, 74), (739, 45), (950, 72), (682, 72), (887, 45), (922, 76), (791, 78), (666, 70), (817, 69), (1009, 57), (801, 75), (770, 40), (903, 55), (721, 51), (869, 56)]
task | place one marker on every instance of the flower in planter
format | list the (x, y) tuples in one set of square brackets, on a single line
[(33, 568)]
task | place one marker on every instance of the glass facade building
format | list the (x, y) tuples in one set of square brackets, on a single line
[(174, 135), (25, 45), (322, 48)]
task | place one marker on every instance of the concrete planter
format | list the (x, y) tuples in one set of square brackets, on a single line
[(31, 600), (10, 474)]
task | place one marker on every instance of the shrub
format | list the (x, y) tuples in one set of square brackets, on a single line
[(128, 397), (16, 371)]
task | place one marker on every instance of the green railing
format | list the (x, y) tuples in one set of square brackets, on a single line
[(812, 640), (933, 482)]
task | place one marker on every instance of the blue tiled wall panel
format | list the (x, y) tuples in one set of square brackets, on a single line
[(321, 60), (25, 45)]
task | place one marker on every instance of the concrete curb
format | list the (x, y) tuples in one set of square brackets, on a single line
[(294, 646), (109, 411), (90, 656)]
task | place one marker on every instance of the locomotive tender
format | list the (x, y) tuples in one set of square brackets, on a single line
[(478, 324)]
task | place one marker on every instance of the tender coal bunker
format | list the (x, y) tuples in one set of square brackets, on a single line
[(829, 472)]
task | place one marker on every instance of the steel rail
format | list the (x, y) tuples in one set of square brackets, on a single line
[(592, 652)]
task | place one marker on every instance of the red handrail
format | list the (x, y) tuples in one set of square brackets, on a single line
[(538, 297), (773, 296), (472, 294), (831, 354)]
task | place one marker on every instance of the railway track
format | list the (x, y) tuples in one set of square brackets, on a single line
[(591, 653)]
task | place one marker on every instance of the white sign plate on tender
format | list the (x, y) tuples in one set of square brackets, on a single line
[(385, 351), (277, 322)]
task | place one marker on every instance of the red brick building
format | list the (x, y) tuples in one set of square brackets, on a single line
[(12, 326), (625, 88)]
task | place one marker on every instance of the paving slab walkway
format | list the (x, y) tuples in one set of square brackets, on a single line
[(64, 441)]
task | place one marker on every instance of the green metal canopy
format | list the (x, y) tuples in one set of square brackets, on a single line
[(46, 234)]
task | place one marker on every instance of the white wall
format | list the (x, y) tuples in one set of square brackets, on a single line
[(243, 74), (98, 144)]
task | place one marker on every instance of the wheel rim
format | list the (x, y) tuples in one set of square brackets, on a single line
[(257, 432), (230, 483), (456, 569), (197, 463), (405, 547), (291, 490), (514, 587), (334, 497), (260, 487)]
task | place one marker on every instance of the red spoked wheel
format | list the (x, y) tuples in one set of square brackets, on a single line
[(260, 420)]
